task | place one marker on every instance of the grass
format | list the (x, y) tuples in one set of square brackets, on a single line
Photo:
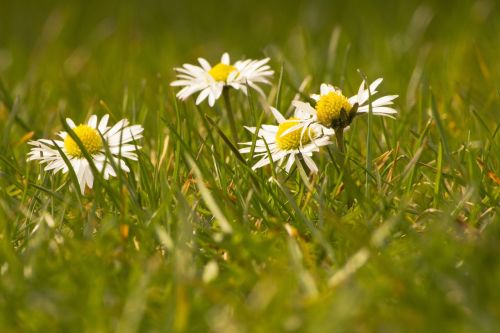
[(192, 240)]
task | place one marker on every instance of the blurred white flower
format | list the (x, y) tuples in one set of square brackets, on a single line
[(210, 81)]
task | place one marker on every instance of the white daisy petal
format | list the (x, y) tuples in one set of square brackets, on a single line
[(92, 121), (303, 110), (375, 84), (201, 97), (310, 164), (316, 97), (277, 115), (103, 123), (204, 64), (117, 127), (70, 123), (289, 163), (263, 162)]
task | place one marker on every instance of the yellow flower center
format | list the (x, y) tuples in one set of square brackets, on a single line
[(89, 137), (329, 107), (292, 140), (221, 71)]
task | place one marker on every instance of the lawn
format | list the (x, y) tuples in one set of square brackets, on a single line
[(398, 231)]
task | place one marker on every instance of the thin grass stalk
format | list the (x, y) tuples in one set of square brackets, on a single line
[(230, 115)]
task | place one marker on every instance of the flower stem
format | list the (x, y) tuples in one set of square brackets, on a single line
[(339, 135), (230, 115), (344, 162), (344, 166)]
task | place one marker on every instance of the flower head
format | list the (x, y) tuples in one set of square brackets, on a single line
[(95, 138), (209, 80), (335, 110), (287, 140)]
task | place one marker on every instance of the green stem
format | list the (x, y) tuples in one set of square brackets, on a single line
[(368, 140), (230, 115), (369, 133), (339, 135), (344, 166)]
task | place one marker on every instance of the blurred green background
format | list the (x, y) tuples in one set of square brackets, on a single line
[(71, 45), (438, 271)]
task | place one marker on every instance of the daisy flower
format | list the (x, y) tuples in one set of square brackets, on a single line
[(94, 136), (287, 146), (210, 81), (334, 110)]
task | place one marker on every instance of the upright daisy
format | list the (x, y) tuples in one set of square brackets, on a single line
[(336, 111), (274, 145), (95, 137), (210, 81)]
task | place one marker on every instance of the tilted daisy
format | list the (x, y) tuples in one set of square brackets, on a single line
[(95, 137), (282, 147), (210, 81), (334, 110)]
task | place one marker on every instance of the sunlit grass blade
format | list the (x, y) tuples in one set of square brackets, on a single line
[(208, 198)]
